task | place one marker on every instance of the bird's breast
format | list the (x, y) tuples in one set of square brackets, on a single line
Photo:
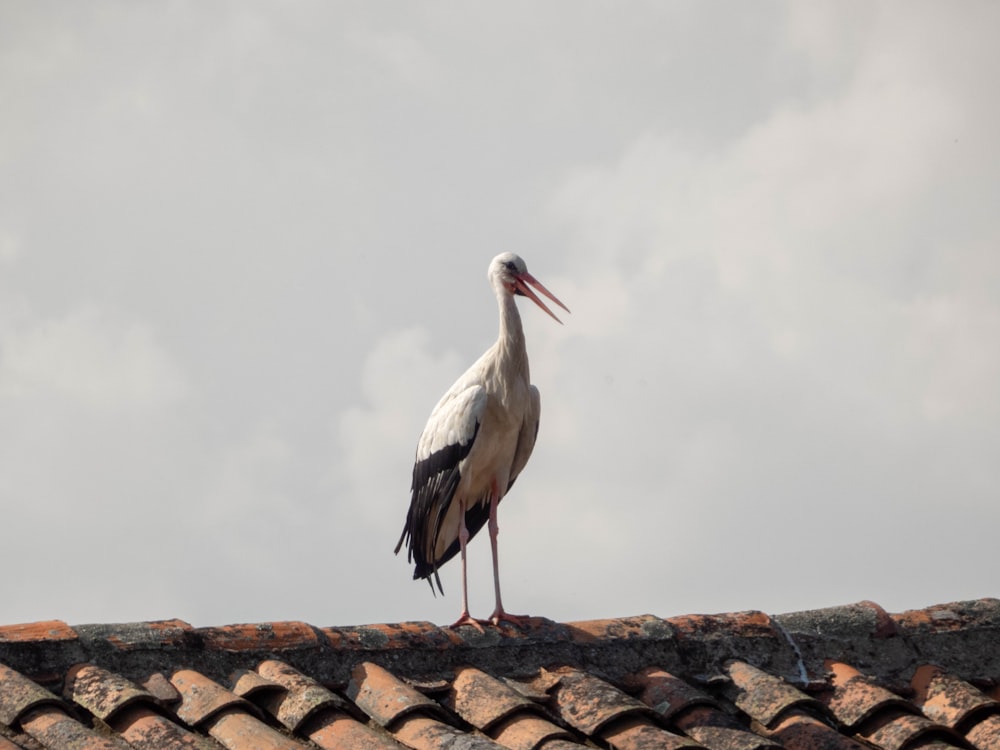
[(492, 455)]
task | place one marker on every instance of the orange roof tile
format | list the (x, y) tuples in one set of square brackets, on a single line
[(840, 678), (52, 727), (145, 729)]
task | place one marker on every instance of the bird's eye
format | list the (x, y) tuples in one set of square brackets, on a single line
[(509, 265)]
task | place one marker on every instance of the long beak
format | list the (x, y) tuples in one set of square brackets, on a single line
[(521, 282)]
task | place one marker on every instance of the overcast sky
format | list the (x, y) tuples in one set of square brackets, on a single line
[(243, 251)]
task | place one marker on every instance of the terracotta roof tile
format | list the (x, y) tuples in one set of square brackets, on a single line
[(305, 707), (144, 729), (765, 697), (53, 727), (18, 695), (395, 636), (159, 686), (588, 703), (800, 731), (835, 679), (424, 733), (899, 731), (692, 712), (669, 695), (255, 688), (483, 700), (237, 730), (49, 630), (528, 732), (263, 636), (101, 692), (632, 733), (333, 730), (137, 636), (300, 697), (856, 699), (597, 708), (385, 697), (719, 730), (202, 698), (949, 700), (985, 734), (500, 711), (644, 626)]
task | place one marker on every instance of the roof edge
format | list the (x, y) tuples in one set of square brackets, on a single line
[(960, 636)]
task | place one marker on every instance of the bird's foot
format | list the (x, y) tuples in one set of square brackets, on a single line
[(466, 619), (500, 616)]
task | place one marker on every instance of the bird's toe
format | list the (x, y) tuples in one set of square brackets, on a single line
[(500, 617), (467, 619)]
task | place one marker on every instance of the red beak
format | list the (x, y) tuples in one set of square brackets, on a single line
[(521, 282)]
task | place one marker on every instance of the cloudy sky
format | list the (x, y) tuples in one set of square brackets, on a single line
[(243, 251)]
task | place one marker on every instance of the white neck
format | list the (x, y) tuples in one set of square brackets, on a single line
[(511, 339)]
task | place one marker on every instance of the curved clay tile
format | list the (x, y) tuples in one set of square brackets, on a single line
[(947, 699), (101, 692), (764, 696), (18, 695)]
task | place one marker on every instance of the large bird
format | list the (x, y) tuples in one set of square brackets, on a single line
[(475, 444)]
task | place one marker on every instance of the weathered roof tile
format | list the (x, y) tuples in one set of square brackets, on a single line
[(264, 636), (102, 692), (947, 699), (587, 703), (385, 697), (251, 685), (48, 630), (203, 698), (300, 697), (856, 699), (54, 728), (633, 733), (644, 626), (237, 730), (483, 700), (401, 635), (425, 733), (144, 729), (985, 734), (669, 695), (18, 694), (898, 731), (138, 636), (159, 686), (333, 730), (528, 732), (763, 696), (800, 731), (719, 730)]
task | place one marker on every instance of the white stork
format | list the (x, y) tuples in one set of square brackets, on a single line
[(476, 442)]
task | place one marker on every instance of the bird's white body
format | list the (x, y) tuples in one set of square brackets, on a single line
[(477, 440), (502, 410)]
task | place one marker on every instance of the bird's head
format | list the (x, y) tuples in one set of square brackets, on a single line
[(510, 272)]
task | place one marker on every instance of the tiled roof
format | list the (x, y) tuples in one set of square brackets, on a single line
[(846, 677)]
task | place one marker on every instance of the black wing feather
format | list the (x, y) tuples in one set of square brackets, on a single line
[(435, 480)]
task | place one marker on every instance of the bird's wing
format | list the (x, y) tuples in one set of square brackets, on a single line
[(444, 444), (526, 438)]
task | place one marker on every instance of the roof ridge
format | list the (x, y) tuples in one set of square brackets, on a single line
[(793, 645)]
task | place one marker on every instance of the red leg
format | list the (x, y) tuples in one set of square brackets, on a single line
[(465, 618), (499, 613)]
